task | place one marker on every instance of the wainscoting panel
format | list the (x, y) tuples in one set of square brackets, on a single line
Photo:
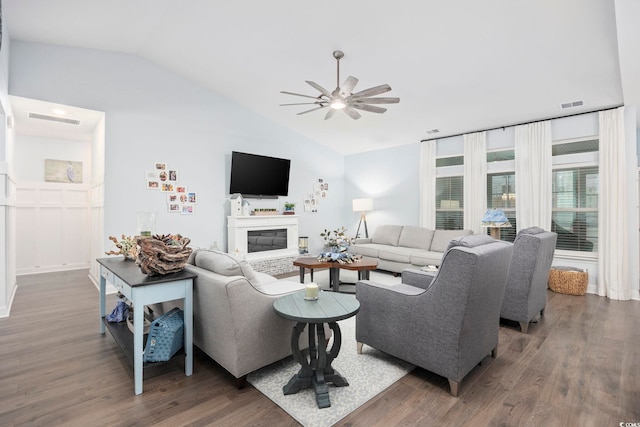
[(52, 228)]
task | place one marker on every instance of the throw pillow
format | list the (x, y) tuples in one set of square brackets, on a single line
[(224, 264), (471, 241)]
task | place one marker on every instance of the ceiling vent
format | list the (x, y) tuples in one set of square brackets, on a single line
[(572, 104), (432, 131), (54, 119)]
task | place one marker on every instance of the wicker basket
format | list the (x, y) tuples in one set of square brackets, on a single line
[(166, 337), (568, 280)]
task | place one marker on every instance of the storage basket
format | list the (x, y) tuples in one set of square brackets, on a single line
[(568, 280), (166, 337)]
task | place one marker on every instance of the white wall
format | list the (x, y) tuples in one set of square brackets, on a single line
[(31, 152), (152, 115), (52, 219)]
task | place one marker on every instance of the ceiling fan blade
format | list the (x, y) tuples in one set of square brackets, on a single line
[(376, 90), (298, 94), (313, 109), (370, 108), (303, 103), (348, 85), (376, 100), (352, 113), (318, 88), (330, 113)]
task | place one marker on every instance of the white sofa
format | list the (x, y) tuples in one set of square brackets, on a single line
[(397, 247), (234, 321)]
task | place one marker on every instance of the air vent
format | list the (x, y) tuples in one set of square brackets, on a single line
[(571, 104), (432, 131), (54, 119)]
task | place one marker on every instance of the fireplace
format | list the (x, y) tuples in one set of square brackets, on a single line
[(263, 237), (266, 240)]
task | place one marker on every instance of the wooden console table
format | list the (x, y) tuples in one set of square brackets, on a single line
[(142, 290)]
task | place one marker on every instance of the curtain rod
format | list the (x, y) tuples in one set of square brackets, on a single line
[(523, 123)]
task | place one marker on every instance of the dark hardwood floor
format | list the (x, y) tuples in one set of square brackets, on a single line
[(579, 366)]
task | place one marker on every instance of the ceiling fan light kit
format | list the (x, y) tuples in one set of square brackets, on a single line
[(342, 97)]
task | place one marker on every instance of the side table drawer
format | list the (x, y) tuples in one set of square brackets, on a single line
[(120, 285)]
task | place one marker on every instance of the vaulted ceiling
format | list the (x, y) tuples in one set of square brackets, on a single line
[(457, 66)]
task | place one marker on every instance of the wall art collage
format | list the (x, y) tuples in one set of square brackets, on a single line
[(166, 180)]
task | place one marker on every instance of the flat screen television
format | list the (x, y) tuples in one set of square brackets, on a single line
[(258, 176)]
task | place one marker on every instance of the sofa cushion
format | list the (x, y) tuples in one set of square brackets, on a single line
[(441, 238), (224, 264), (423, 258), (398, 254), (387, 235), (415, 237), (471, 241)]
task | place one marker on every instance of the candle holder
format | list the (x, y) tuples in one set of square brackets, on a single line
[(303, 245), (311, 291)]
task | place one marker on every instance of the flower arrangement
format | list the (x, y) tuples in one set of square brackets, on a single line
[(337, 244), (127, 246)]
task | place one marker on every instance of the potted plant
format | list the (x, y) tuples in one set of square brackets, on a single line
[(289, 208)]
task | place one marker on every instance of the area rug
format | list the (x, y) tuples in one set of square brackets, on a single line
[(368, 374)]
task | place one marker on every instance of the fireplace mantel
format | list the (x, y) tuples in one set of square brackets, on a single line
[(238, 228)]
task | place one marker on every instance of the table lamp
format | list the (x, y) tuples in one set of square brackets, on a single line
[(495, 219), (362, 205)]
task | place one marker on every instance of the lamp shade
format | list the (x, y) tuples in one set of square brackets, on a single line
[(495, 218), (361, 205)]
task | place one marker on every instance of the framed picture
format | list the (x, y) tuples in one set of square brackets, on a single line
[(167, 187), (192, 198), (172, 198), (152, 180), (173, 207), (163, 176), (187, 209), (67, 171), (161, 166), (173, 175), (183, 198), (181, 189)]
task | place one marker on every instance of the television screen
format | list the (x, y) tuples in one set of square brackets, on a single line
[(253, 175)]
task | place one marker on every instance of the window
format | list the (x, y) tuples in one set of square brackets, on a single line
[(575, 208), (449, 161), (501, 194), (500, 156), (449, 203)]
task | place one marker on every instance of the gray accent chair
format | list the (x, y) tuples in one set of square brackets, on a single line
[(449, 322), (526, 293)]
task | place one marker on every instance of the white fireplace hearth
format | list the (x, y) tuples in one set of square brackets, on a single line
[(254, 236)]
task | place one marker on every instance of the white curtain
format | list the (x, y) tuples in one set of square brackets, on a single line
[(533, 175), (614, 231), (428, 184), (475, 180)]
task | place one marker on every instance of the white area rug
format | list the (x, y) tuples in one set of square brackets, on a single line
[(368, 374)]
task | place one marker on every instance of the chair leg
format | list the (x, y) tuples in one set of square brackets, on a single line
[(524, 326), (494, 352), (241, 382), (359, 347), (453, 386), (542, 312)]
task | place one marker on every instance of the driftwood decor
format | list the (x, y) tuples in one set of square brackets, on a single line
[(160, 255)]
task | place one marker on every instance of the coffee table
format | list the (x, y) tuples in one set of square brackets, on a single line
[(316, 370), (363, 267)]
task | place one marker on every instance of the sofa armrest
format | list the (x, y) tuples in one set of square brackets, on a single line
[(362, 241), (418, 278)]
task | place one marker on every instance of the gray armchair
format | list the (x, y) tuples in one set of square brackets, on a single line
[(449, 323), (526, 292)]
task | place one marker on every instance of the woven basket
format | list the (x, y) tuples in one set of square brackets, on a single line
[(166, 337), (568, 280)]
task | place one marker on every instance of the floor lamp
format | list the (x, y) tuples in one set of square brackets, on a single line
[(362, 205)]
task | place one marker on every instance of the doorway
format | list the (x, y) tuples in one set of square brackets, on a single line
[(58, 163)]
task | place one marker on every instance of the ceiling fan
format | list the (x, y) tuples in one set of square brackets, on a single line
[(342, 97)]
